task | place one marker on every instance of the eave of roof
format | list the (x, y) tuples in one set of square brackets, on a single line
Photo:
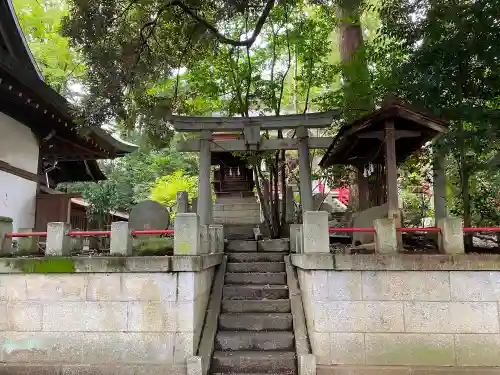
[(392, 108)]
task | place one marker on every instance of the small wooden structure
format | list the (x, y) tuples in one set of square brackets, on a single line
[(386, 136), (71, 209), (231, 174)]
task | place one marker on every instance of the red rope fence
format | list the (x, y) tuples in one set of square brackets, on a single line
[(168, 232)]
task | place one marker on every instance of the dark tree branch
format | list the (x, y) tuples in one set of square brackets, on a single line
[(222, 38)]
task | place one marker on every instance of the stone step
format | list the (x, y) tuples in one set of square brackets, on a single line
[(255, 292), (239, 232), (256, 306), (256, 267), (275, 278), (236, 200), (252, 362), (241, 246), (276, 245), (268, 340), (236, 207), (255, 322), (237, 220), (237, 214), (255, 257)]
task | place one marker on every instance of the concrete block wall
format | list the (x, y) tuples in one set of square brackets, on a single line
[(117, 322), (374, 319)]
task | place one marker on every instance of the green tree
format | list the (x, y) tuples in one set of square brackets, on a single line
[(443, 58), (60, 64), (165, 189)]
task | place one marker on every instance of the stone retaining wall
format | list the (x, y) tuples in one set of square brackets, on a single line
[(401, 314), (102, 318)]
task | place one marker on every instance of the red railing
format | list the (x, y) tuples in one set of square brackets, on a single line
[(25, 234), (492, 229), (153, 231)]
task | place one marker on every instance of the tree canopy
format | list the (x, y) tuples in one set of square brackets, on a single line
[(141, 60)]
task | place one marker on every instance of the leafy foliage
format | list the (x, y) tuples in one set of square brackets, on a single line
[(165, 188), (60, 64)]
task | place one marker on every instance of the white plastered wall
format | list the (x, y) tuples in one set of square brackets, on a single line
[(19, 148)]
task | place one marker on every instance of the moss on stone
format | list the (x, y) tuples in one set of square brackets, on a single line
[(47, 265), (154, 246)]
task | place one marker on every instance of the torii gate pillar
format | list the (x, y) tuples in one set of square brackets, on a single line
[(204, 187), (306, 199)]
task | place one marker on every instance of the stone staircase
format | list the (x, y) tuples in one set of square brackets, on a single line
[(239, 215), (236, 211), (255, 330)]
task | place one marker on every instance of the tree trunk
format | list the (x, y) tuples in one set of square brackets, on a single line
[(464, 184), (358, 96), (283, 188)]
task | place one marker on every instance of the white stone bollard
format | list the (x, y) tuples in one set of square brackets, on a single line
[(451, 236), (204, 239), (187, 234), (385, 236), (121, 239), (58, 243), (194, 205), (296, 238), (216, 236), (182, 202), (5, 242), (315, 234)]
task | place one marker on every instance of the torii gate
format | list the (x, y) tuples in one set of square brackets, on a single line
[(250, 128)]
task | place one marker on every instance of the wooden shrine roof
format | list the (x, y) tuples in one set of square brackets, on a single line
[(25, 97), (357, 144)]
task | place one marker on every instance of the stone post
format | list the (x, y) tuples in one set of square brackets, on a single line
[(385, 236), (121, 239), (451, 236), (295, 238), (58, 243), (204, 239), (26, 244), (290, 205), (315, 232), (6, 226), (187, 234), (216, 236), (204, 186), (306, 198), (182, 202), (194, 205)]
